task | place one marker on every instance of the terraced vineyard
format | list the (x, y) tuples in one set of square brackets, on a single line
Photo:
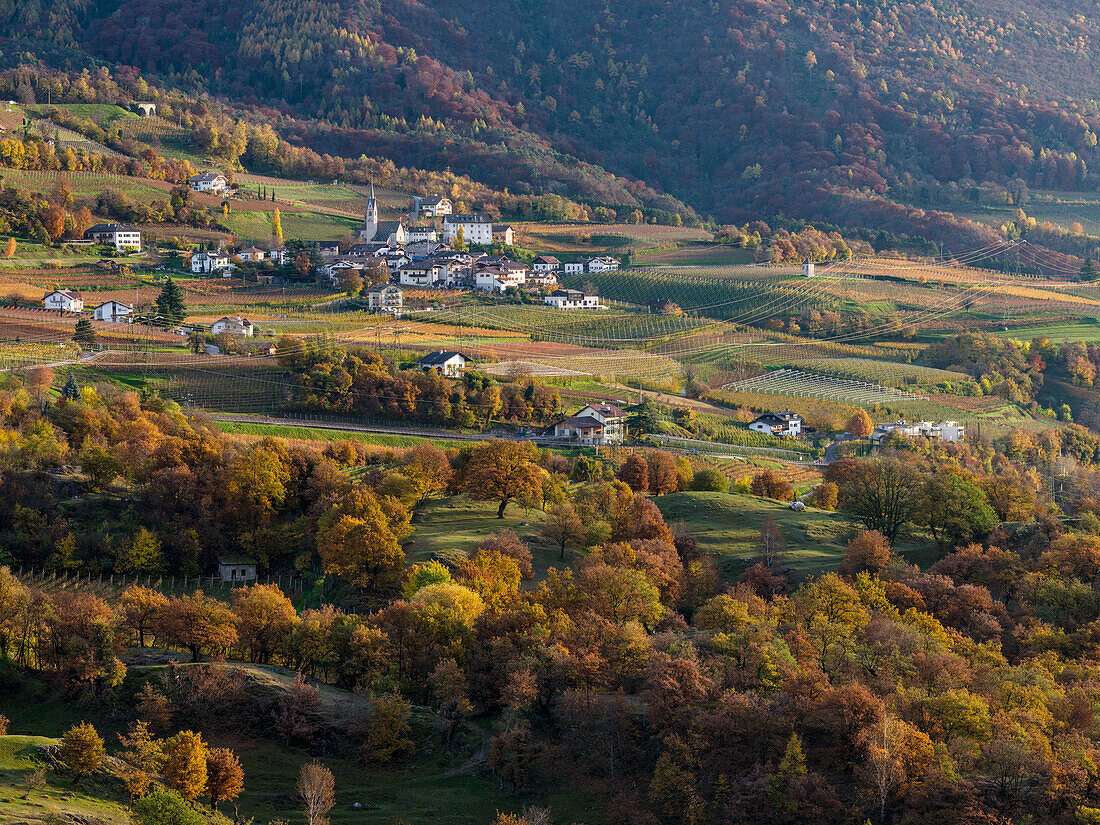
[(886, 373), (800, 384)]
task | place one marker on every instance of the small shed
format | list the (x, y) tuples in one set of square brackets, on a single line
[(237, 569)]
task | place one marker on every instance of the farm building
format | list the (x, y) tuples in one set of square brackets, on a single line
[(237, 569), (66, 300), (233, 326), (785, 423), (114, 311), (445, 362)]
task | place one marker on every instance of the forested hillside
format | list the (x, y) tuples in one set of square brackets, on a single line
[(818, 110)]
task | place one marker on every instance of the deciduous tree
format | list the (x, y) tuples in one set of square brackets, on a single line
[(199, 622), (318, 791), (502, 471), (224, 776), (184, 768), (82, 749)]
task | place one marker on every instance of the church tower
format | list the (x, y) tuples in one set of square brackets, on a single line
[(370, 221)]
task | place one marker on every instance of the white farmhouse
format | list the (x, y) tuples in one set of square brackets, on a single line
[(574, 267), (233, 326), (604, 264), (546, 263), (66, 300), (445, 362), (208, 182), (114, 312), (782, 424), (571, 299), (207, 262), (421, 273), (476, 229), (435, 206)]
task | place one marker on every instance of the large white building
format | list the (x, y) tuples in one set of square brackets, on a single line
[(476, 229), (386, 298), (115, 234)]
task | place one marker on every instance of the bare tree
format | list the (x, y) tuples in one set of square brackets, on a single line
[(318, 792)]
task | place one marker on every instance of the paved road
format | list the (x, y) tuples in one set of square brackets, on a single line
[(830, 451)]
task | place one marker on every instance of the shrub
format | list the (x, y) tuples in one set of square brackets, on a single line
[(710, 480)]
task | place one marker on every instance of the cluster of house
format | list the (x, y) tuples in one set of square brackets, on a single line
[(943, 431), (220, 262), (419, 255), (69, 300)]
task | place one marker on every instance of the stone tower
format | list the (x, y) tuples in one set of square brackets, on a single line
[(370, 221)]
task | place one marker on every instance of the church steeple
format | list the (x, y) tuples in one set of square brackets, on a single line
[(370, 220)]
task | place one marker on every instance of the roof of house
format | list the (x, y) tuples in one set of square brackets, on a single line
[(467, 217), (501, 227), (327, 244), (571, 294), (579, 421), (109, 227), (609, 410), (206, 177), (432, 200), (440, 357), (244, 322), (252, 250), (387, 228), (781, 417), (546, 259), (68, 293), (236, 560), (105, 303)]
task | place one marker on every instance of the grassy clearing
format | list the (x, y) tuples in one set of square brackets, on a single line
[(429, 787), (452, 527), (727, 525), (1057, 333), (306, 226), (95, 800), (327, 435)]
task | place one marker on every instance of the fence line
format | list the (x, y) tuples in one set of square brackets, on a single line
[(65, 578)]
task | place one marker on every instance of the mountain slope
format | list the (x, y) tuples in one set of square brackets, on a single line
[(823, 110)]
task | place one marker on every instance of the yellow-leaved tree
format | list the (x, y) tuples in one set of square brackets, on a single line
[(185, 764)]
